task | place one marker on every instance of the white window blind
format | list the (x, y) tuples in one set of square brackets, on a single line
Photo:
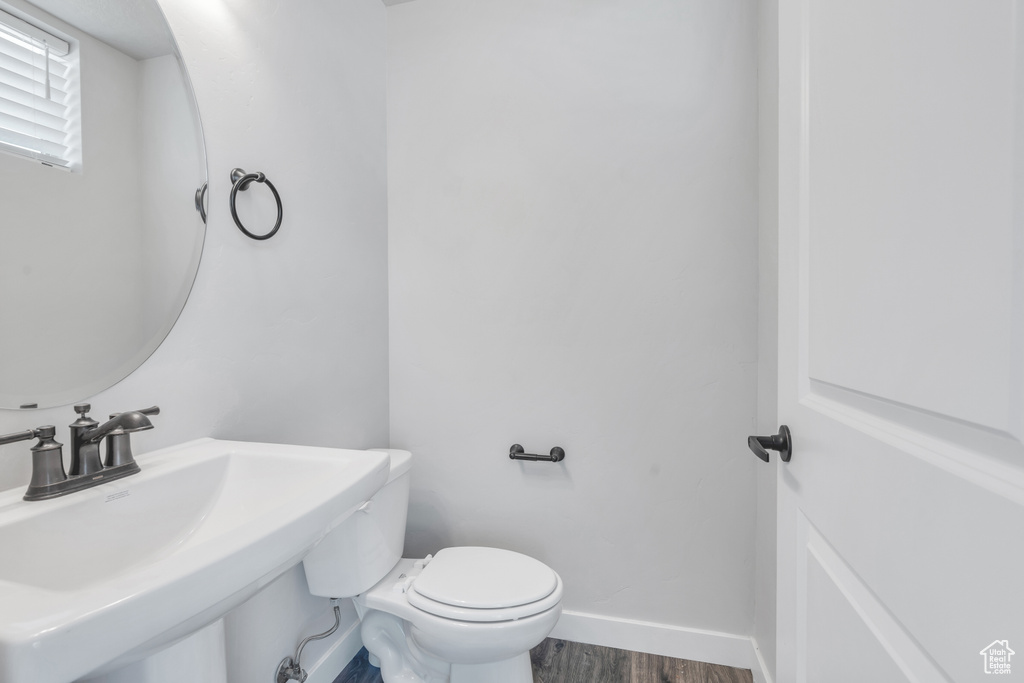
[(38, 117)]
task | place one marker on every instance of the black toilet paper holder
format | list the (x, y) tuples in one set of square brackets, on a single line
[(517, 452)]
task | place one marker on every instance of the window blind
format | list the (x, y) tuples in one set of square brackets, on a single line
[(37, 116)]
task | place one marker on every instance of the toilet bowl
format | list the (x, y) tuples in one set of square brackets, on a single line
[(464, 615)]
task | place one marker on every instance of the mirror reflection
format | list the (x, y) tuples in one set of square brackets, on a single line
[(101, 155)]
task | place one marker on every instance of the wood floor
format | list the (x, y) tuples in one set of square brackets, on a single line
[(560, 661)]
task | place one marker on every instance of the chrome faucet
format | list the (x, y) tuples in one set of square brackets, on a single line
[(48, 477)]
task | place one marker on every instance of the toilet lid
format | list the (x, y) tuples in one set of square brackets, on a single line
[(484, 578)]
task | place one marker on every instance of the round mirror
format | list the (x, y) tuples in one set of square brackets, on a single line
[(101, 163)]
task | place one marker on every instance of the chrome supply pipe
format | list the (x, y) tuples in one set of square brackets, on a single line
[(290, 668)]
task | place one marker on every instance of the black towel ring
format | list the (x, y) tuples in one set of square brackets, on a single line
[(241, 181)]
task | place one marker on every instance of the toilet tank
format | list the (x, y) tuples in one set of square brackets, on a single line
[(366, 546)]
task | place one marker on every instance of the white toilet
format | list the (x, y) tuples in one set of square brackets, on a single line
[(465, 615)]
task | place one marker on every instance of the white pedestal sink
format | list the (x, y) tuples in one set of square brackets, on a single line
[(95, 581)]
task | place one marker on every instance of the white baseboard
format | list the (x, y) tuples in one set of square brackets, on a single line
[(761, 672), (663, 639), (330, 656)]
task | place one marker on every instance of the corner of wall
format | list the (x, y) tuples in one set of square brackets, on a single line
[(767, 385)]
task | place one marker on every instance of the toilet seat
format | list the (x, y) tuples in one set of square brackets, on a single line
[(484, 585), (484, 615)]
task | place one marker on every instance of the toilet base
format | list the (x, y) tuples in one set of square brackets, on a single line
[(416, 646), (386, 639), (518, 669), (401, 659)]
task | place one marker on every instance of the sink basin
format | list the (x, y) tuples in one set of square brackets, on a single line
[(111, 574)]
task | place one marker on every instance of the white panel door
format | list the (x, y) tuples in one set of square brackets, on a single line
[(901, 175)]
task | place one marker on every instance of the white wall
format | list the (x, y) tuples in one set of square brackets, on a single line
[(573, 253), (285, 340)]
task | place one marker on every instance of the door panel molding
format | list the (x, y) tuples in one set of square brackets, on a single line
[(824, 569), (975, 466)]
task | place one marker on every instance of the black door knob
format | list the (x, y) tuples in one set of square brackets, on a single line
[(781, 442)]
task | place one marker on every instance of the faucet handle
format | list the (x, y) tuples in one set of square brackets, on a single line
[(152, 410), (119, 445), (47, 463), (45, 432), (119, 449), (21, 436), (47, 460), (82, 408)]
